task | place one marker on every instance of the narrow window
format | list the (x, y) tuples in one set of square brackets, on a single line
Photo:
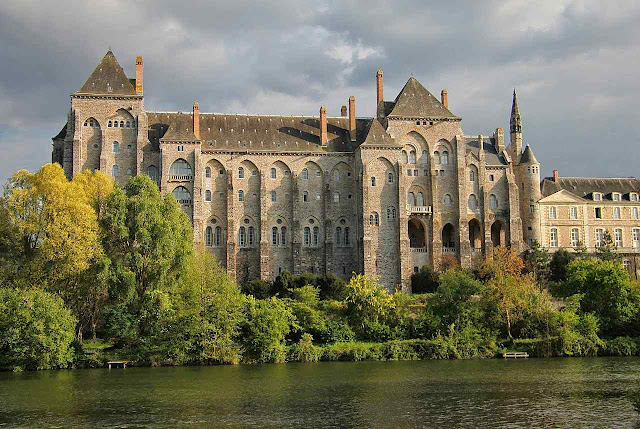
[(347, 240), (240, 173), (305, 174), (472, 176), (376, 219), (373, 181), (336, 197), (115, 124), (420, 200), (618, 236), (115, 170), (116, 147), (273, 173), (274, 236), (121, 124), (128, 172), (636, 238), (254, 172), (218, 238), (393, 212), (316, 234), (336, 175), (338, 237), (283, 236), (389, 214), (240, 195), (318, 173), (305, 196), (411, 199), (371, 219), (599, 234), (207, 172), (491, 177), (616, 212), (273, 196), (242, 237), (405, 159), (445, 157), (447, 200), (251, 236), (318, 196), (128, 124), (598, 213), (553, 237), (473, 202), (208, 236), (207, 195), (493, 202), (552, 212), (307, 236), (110, 125), (575, 237), (436, 157), (634, 212), (574, 212), (409, 172), (389, 177), (412, 157)]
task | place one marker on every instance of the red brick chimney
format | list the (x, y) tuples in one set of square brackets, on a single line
[(323, 126), (352, 118), (555, 176), (139, 75), (343, 111), (196, 119), (444, 97), (380, 96)]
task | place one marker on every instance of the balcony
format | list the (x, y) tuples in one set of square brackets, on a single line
[(184, 202), (476, 251), (180, 177), (419, 249), (422, 210), (449, 249)]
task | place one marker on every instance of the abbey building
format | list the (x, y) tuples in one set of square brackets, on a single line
[(383, 196)]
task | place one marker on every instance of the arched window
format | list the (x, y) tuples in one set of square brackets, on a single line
[(110, 124), (218, 237), (305, 196), (208, 237), (273, 173), (389, 177), (336, 197), (389, 213), (393, 212), (242, 237), (493, 202), (436, 157), (411, 200), (207, 195), (115, 170), (425, 157), (305, 174), (121, 124), (336, 175), (447, 200), (180, 168), (405, 159), (207, 172), (274, 196), (116, 147), (472, 176), (251, 236), (445, 157), (115, 124), (128, 172), (412, 157), (420, 200), (316, 234), (373, 181), (240, 195), (274, 236), (240, 173), (307, 236), (374, 219), (318, 196), (338, 236), (347, 239), (128, 124), (152, 172), (182, 195), (371, 219), (473, 202), (283, 236)]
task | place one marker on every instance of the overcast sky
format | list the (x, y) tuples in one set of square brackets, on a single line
[(575, 65)]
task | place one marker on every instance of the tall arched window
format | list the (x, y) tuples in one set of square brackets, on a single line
[(305, 174), (273, 173), (218, 237), (121, 124), (338, 236), (374, 219), (180, 168), (405, 159), (412, 157), (472, 176), (420, 200), (251, 236), (208, 237), (274, 196), (242, 237), (316, 235), (307, 236), (115, 170), (128, 124), (336, 197), (347, 239), (207, 172), (240, 173), (283, 236), (182, 195), (493, 202), (473, 202), (389, 213), (207, 195), (110, 125), (152, 172), (274, 236), (240, 195), (305, 196), (425, 157), (116, 147), (373, 181), (389, 177), (411, 200), (447, 200), (336, 175), (445, 157), (436, 157)]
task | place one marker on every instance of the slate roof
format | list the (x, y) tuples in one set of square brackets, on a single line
[(584, 187), (415, 101), (491, 156), (376, 135), (256, 132), (528, 157), (108, 79), (62, 134)]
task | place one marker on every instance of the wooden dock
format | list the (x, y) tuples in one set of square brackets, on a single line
[(118, 363), (515, 355)]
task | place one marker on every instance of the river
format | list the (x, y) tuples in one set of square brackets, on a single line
[(566, 392)]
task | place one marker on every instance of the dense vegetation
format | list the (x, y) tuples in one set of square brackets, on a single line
[(90, 271)]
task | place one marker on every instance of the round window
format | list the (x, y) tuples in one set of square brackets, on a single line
[(246, 221), (279, 221), (342, 221), (214, 221), (311, 221)]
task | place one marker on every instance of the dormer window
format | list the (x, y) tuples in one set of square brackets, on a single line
[(597, 196), (633, 196), (616, 196)]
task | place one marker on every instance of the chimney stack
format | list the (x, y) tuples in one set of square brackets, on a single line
[(444, 97), (380, 96), (343, 111), (323, 126), (196, 119), (139, 75), (555, 176), (352, 118)]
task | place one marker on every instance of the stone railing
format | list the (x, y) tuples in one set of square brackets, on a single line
[(184, 202), (180, 177), (419, 249), (474, 250), (426, 210), (448, 249)]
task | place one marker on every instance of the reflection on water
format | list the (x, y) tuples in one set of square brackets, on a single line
[(484, 393)]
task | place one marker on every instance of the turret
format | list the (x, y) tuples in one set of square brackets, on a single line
[(528, 176), (516, 131)]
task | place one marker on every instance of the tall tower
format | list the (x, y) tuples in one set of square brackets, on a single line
[(516, 131)]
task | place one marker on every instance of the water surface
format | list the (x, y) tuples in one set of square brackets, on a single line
[(570, 392)]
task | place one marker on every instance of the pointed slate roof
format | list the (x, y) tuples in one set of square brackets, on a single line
[(377, 135), (584, 187), (62, 134), (108, 78), (416, 101), (528, 157), (515, 111)]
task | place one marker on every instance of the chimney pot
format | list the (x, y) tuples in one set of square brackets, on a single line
[(139, 66), (323, 126), (555, 176), (444, 97), (352, 118), (343, 111), (380, 95), (196, 119)]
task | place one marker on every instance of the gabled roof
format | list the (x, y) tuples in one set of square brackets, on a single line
[(491, 156), (562, 196), (107, 79), (584, 187), (528, 157), (377, 135), (415, 101)]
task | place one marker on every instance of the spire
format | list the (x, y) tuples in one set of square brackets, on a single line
[(108, 79), (528, 157), (516, 119)]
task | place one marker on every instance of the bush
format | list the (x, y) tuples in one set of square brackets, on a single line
[(304, 350), (258, 288), (424, 281), (36, 330), (265, 328), (622, 346)]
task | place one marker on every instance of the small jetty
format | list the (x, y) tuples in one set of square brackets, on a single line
[(118, 363), (515, 355)]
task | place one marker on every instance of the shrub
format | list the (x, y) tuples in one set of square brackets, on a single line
[(622, 346), (265, 328), (424, 281), (304, 350), (258, 288)]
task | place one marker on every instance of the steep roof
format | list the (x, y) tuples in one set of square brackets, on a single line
[(491, 156), (62, 134), (584, 187), (415, 101), (255, 132), (528, 157), (108, 79), (377, 135)]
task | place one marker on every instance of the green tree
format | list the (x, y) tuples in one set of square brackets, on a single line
[(607, 249), (264, 331), (559, 262), (537, 262), (368, 308), (36, 330), (425, 280)]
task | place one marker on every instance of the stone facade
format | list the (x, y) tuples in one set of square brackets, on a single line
[(383, 195)]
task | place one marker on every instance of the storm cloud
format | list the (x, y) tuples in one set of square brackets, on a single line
[(574, 63)]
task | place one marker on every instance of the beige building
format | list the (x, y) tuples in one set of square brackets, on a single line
[(319, 194)]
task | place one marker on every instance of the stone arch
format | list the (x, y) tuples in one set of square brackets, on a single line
[(344, 170), (419, 143), (182, 195), (282, 169), (417, 233), (313, 168), (475, 234), (92, 142), (445, 152), (498, 234), (218, 232), (448, 236), (181, 167), (312, 232)]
